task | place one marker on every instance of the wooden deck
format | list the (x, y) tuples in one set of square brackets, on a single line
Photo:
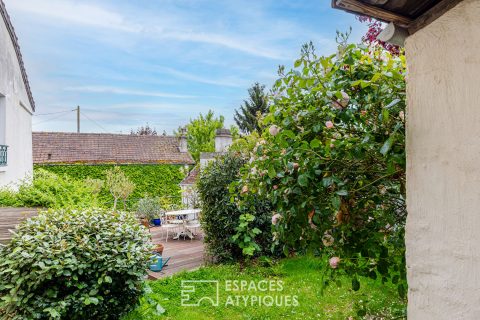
[(185, 254), (9, 218)]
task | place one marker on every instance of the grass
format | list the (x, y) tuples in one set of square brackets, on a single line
[(300, 277)]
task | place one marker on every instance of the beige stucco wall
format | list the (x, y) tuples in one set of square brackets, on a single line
[(15, 114), (443, 159)]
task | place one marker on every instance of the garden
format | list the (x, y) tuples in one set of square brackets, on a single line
[(312, 197)]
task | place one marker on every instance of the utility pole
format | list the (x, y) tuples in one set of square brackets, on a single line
[(78, 119)]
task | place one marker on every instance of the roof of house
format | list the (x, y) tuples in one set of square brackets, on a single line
[(409, 14), (99, 148), (192, 177), (13, 36)]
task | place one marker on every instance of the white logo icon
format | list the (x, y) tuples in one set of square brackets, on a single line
[(190, 287)]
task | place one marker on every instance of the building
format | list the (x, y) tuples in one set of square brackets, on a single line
[(16, 107), (442, 44), (223, 139), (61, 148)]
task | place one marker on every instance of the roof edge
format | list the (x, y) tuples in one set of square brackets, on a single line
[(13, 37)]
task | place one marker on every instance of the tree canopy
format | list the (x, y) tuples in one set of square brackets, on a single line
[(256, 105)]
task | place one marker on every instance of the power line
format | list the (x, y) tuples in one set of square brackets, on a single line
[(50, 113), (51, 119), (95, 122)]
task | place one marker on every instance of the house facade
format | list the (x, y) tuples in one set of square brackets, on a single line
[(16, 107), (442, 45)]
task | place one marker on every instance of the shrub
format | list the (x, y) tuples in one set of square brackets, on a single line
[(49, 190), (220, 217), (70, 264), (149, 208), (332, 161)]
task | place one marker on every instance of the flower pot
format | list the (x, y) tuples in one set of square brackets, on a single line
[(145, 223), (157, 222), (158, 248)]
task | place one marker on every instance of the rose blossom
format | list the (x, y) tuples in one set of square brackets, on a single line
[(274, 130), (327, 240), (275, 187), (245, 189), (275, 218), (329, 124), (345, 99), (334, 262)]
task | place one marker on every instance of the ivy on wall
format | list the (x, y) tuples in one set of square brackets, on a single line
[(150, 180)]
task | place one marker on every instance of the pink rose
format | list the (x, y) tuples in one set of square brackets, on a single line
[(329, 124), (345, 99), (334, 262), (274, 130), (275, 187), (328, 241), (295, 166), (275, 218)]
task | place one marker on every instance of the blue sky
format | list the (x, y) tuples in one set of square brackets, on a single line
[(127, 63)]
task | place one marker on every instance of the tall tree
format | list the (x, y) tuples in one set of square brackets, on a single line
[(255, 106), (201, 133), (144, 131)]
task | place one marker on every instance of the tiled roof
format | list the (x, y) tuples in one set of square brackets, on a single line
[(192, 177), (13, 36), (97, 148)]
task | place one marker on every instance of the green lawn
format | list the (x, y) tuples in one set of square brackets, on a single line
[(290, 280)]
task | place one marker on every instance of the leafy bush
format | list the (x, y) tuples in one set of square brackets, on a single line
[(49, 190), (220, 217), (149, 208), (159, 180), (73, 265), (332, 161)]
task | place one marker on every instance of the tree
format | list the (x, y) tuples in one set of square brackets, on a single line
[(256, 105), (144, 131), (119, 185), (201, 133), (333, 162)]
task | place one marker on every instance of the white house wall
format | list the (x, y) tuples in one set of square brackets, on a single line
[(443, 166), (17, 116)]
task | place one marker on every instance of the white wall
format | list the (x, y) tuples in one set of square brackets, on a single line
[(17, 116), (443, 166)]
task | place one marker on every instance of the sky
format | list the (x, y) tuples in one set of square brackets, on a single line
[(162, 62)]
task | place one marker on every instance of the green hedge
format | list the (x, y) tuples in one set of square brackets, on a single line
[(150, 180)]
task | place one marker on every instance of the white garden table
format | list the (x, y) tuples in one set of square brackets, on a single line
[(185, 216)]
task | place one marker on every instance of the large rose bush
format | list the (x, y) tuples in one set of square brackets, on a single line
[(332, 162)]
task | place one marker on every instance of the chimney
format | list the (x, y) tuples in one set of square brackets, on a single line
[(183, 140), (223, 140)]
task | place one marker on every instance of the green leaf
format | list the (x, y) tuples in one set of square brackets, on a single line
[(355, 284), (315, 143), (271, 172), (303, 180), (391, 104), (342, 192), (297, 63), (108, 279), (387, 146), (401, 291)]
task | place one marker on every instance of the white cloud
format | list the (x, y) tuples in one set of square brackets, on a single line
[(73, 12), (122, 91)]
